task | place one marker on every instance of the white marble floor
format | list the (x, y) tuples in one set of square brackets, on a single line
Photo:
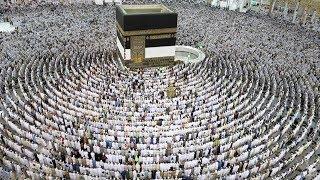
[(6, 27)]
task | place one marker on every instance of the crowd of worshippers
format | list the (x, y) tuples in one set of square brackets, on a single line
[(248, 38), (87, 154)]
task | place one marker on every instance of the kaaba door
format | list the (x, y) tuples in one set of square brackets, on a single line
[(137, 46)]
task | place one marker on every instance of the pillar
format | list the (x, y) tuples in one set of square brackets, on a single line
[(304, 16), (285, 12), (295, 12), (273, 3)]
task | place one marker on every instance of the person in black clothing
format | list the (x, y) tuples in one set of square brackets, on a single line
[(54, 163), (36, 157), (123, 174), (2, 139), (63, 157), (153, 174)]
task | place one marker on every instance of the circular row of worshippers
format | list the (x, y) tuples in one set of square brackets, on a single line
[(79, 115)]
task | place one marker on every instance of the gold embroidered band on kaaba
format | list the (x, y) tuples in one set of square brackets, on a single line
[(161, 36), (146, 32)]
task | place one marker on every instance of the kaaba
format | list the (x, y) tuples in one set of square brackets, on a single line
[(146, 35)]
